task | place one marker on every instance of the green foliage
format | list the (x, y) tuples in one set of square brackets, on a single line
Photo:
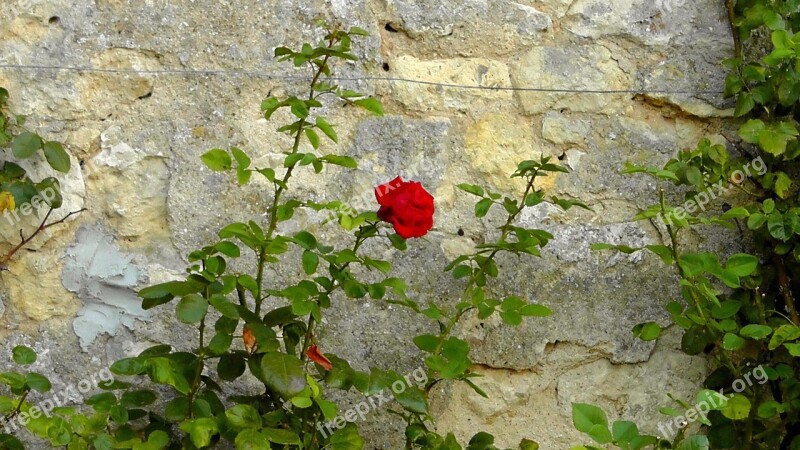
[(238, 333), (23, 144), (740, 310)]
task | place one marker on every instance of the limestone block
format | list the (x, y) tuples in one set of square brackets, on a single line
[(576, 67), (470, 72)]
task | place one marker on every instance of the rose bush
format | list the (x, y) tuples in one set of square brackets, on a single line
[(268, 328)]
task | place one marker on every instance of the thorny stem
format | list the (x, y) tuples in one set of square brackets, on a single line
[(280, 188), (201, 354), (673, 237), (481, 269), (42, 226), (7, 418)]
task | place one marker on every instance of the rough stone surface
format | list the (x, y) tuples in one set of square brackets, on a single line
[(104, 279), (203, 68)]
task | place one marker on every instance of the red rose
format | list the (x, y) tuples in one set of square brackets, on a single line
[(407, 206)]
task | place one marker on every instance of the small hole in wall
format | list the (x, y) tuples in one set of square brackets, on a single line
[(388, 27), (54, 20), (562, 156), (385, 67), (460, 232)]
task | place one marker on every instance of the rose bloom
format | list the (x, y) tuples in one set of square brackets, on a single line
[(407, 206)]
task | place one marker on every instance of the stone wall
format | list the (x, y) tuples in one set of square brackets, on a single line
[(150, 201)]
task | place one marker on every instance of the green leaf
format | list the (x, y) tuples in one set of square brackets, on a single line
[(226, 308), (732, 342), (755, 331), (782, 184), (778, 226), (298, 107), (250, 439), (128, 366), (586, 416), (347, 438), (243, 416), (217, 160), (472, 189), (482, 207), (647, 331), (775, 137), (10, 442), (695, 442), (200, 430), (326, 128), (23, 355), (38, 382), (742, 264), (344, 161), (310, 262), (426, 342), (624, 431), (736, 408), (784, 333), (750, 131), (138, 398), (283, 374), (313, 138), (534, 310), (26, 144), (370, 104), (279, 436), (481, 441), (56, 156), (220, 343), (663, 252), (191, 309)]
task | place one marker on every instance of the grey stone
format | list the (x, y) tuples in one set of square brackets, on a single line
[(105, 280)]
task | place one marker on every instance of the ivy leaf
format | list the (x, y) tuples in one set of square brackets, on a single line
[(751, 129), (23, 355)]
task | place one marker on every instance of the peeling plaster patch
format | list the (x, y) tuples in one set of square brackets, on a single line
[(104, 279)]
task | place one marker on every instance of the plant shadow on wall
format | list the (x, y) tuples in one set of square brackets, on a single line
[(740, 311), (237, 334)]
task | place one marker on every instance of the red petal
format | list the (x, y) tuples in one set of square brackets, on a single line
[(315, 355)]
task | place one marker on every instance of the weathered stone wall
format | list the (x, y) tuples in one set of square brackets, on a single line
[(150, 201)]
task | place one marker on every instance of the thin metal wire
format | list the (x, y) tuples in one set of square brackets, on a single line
[(257, 74)]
